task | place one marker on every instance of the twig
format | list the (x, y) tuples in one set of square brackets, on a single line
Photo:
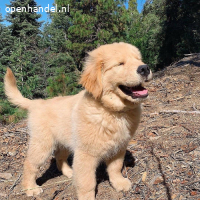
[(177, 99), (68, 180), (192, 54), (14, 185), (176, 111), (168, 191), (6, 181), (136, 184), (168, 129), (126, 171), (190, 183), (194, 107), (181, 111)]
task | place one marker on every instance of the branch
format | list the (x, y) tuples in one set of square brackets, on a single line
[(177, 111), (192, 54)]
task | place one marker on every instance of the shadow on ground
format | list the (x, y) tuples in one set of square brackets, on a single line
[(101, 173)]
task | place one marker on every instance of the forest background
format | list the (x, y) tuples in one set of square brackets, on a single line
[(48, 57)]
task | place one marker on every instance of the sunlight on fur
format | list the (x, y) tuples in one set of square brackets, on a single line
[(96, 124)]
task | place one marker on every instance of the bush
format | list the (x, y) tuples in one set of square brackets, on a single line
[(9, 113)]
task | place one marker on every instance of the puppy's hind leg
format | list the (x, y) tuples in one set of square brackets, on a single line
[(61, 155), (40, 148)]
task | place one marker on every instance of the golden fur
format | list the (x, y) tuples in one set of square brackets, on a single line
[(95, 124)]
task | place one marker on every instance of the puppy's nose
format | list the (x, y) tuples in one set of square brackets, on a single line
[(143, 70)]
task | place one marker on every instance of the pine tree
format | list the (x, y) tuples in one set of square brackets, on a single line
[(145, 33), (134, 22), (61, 73), (71, 35), (181, 30), (90, 24), (24, 23), (1, 48), (65, 79), (25, 31), (6, 46), (132, 6), (1, 20)]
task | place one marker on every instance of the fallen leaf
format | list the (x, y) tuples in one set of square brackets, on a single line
[(152, 134), (181, 197), (174, 196), (193, 193), (189, 173), (137, 189), (184, 181), (144, 176), (158, 180), (133, 142)]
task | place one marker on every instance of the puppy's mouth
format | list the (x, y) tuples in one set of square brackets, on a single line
[(135, 92)]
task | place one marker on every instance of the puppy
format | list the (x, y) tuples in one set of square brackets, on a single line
[(96, 124)]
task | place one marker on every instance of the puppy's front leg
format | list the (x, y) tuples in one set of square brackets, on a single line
[(84, 167), (114, 167)]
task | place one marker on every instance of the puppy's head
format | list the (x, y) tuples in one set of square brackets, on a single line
[(115, 74)]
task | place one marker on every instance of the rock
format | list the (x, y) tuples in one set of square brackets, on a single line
[(154, 138), (12, 153), (176, 180), (5, 176), (196, 153), (3, 194), (156, 180)]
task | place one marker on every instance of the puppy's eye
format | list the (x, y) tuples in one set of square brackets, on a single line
[(121, 63)]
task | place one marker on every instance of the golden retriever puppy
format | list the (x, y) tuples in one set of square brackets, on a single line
[(96, 124)]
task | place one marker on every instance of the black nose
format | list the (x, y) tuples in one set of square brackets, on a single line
[(143, 70)]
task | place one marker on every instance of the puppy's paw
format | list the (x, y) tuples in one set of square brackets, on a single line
[(68, 172), (34, 192), (65, 169), (86, 195), (121, 184)]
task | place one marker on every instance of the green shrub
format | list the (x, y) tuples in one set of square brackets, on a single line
[(9, 113)]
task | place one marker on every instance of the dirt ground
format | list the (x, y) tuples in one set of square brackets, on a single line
[(162, 160)]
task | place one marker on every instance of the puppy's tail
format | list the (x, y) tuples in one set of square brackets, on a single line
[(12, 92)]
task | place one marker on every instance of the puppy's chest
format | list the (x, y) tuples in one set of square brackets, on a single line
[(103, 134), (116, 133), (116, 128)]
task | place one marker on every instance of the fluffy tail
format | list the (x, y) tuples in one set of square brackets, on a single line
[(12, 92)]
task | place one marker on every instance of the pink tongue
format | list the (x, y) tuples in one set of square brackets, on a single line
[(140, 92)]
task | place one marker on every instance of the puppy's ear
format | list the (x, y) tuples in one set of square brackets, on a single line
[(91, 78)]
